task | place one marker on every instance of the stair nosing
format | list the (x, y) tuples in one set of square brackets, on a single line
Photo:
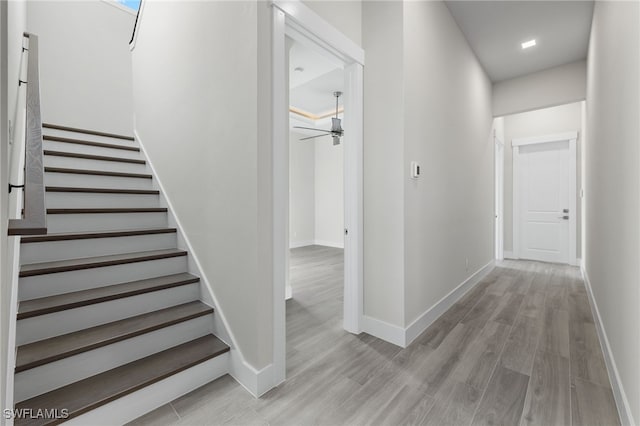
[(81, 210), (87, 131), (96, 172), (133, 258), (75, 189), (176, 282), (134, 388), (95, 235), (113, 339), (54, 153), (90, 143)]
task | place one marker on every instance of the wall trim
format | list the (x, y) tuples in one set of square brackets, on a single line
[(383, 330), (509, 255), (256, 382), (556, 137), (325, 243), (239, 369), (299, 244), (428, 317), (622, 403)]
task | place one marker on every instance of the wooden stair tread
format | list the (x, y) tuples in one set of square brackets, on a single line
[(102, 190), (96, 172), (87, 131), (97, 262), (90, 143), (55, 348), (92, 157), (76, 299), (97, 234), (82, 210), (90, 393)]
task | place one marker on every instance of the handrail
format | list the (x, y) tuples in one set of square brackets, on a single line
[(34, 221), (135, 24)]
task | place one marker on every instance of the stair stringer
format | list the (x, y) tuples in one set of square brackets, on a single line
[(256, 382)]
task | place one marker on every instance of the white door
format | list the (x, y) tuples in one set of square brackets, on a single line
[(544, 196)]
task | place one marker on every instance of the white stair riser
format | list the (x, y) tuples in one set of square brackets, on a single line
[(62, 200), (56, 374), (72, 249), (89, 164), (87, 137), (63, 282), (92, 150), (95, 181), (63, 322), (57, 223), (134, 405)]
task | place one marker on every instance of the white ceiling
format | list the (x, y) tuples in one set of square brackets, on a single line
[(495, 30), (312, 89)]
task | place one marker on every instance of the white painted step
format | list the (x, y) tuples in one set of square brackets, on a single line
[(56, 145), (67, 321), (87, 136), (38, 380), (104, 221), (53, 160), (36, 286), (96, 181), (49, 251), (62, 200)]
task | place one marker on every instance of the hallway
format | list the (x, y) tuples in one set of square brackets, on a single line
[(520, 348)]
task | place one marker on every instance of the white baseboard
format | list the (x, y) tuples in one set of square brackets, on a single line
[(257, 382), (404, 336), (298, 244), (430, 315), (383, 330), (622, 403), (509, 255)]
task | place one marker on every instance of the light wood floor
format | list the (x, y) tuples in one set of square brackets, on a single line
[(519, 349)]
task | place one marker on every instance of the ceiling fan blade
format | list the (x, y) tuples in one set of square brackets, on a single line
[(311, 128), (312, 137)]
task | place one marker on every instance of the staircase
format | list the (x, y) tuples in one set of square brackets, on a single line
[(109, 322)]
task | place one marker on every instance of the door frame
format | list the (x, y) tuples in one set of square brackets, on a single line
[(293, 19), (499, 197), (572, 138)]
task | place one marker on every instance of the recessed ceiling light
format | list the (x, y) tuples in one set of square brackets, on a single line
[(528, 44)]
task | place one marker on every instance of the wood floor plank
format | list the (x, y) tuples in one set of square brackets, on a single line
[(587, 361), (548, 401), (454, 406), (508, 308), (503, 399), (555, 332), (592, 405), (519, 350)]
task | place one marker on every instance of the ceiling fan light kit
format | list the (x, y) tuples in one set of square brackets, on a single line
[(336, 131)]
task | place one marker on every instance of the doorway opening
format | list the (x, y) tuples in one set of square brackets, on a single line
[(294, 23), (538, 210)]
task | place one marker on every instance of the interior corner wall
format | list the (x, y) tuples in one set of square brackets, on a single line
[(383, 162), (555, 86), (204, 133), (448, 211), (302, 210), (329, 193), (612, 191), (541, 122), (85, 63)]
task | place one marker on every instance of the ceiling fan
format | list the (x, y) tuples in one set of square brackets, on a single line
[(336, 131)]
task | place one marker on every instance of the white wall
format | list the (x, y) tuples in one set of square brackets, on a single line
[(329, 193), (547, 88), (205, 135), (302, 205), (383, 153), (12, 25), (612, 189), (345, 15), (541, 122), (448, 211), (316, 192), (85, 64)]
